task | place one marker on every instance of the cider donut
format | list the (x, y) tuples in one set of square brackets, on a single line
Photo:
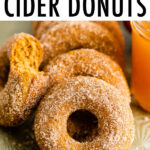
[(41, 27), (112, 127), (35, 25), (87, 62), (21, 84), (114, 28), (66, 36)]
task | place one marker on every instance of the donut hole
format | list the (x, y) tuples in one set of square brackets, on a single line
[(82, 125)]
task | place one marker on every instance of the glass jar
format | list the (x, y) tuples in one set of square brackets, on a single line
[(140, 79)]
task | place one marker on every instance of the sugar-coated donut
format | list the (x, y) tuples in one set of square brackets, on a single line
[(35, 25), (66, 36), (21, 84), (41, 27), (112, 127), (114, 28), (87, 62)]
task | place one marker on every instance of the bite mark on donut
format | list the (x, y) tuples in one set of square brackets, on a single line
[(25, 56), (25, 59)]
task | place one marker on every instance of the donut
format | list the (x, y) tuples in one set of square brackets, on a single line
[(86, 62), (41, 27), (114, 28), (35, 25), (21, 84), (60, 119), (67, 36)]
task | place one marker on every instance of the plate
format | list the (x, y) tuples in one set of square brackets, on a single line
[(22, 138)]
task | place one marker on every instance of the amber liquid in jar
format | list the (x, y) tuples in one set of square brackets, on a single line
[(140, 80)]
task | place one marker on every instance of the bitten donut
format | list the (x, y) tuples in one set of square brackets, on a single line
[(67, 36), (86, 62), (21, 84), (104, 121)]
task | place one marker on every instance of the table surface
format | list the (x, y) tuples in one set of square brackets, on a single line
[(22, 138)]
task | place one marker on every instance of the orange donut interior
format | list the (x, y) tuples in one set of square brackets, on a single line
[(25, 59)]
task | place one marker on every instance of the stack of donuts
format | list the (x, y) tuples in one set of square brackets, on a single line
[(75, 72)]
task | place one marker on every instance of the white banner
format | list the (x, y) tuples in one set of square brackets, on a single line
[(74, 10)]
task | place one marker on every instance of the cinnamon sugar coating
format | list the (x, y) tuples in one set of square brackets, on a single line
[(87, 62), (35, 25), (67, 36), (114, 28), (115, 120), (41, 27), (21, 84)]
